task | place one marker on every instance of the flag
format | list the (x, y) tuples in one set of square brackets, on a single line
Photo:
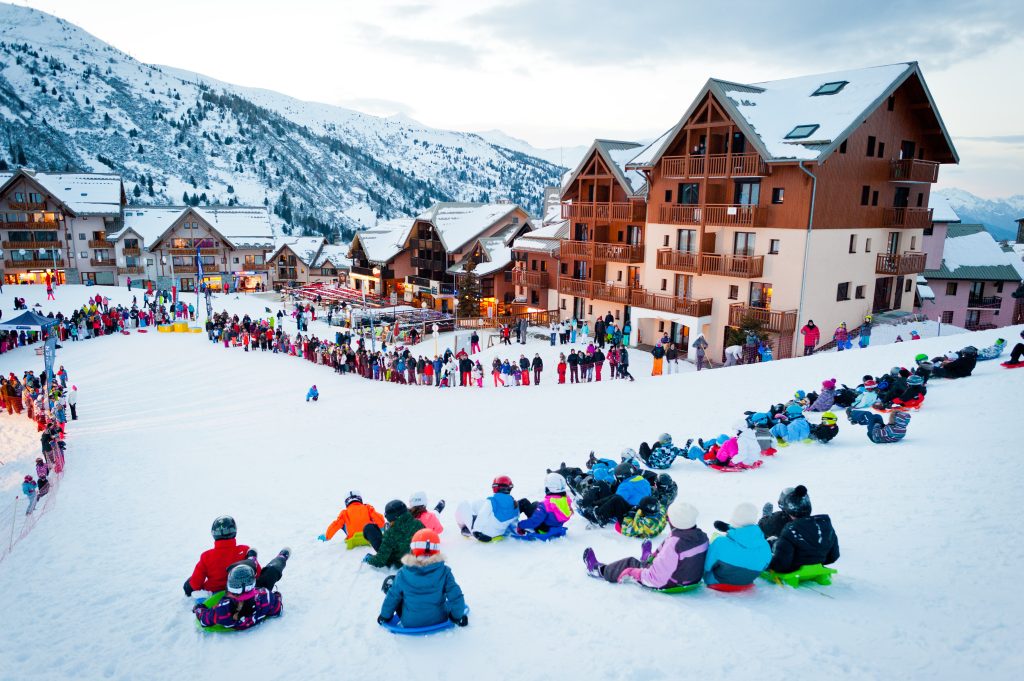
[(199, 268)]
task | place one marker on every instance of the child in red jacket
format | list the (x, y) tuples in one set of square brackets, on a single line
[(211, 572)]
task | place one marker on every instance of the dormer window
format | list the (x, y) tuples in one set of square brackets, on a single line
[(802, 131), (830, 88)]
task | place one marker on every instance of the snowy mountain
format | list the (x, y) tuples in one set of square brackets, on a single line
[(70, 101), (999, 215), (560, 156)]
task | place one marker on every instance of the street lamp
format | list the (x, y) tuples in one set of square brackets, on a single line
[(455, 329), (423, 306), (373, 331)]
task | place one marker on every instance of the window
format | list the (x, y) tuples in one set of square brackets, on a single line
[(773, 247), (543, 265), (664, 284), (235, 260), (533, 265), (867, 245), (668, 196), (734, 293), (842, 147), (891, 104), (666, 241), (950, 290), (801, 132), (906, 288), (689, 193), (853, 243), (999, 287), (881, 149), (747, 193), (865, 195), (929, 230), (920, 200), (686, 240), (81, 236), (563, 300), (843, 291), (590, 309), (874, 198), (858, 293), (913, 243), (830, 88), (947, 317), (778, 194), (871, 145), (743, 243), (620, 276)]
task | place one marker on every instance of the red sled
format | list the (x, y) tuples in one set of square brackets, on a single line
[(735, 469), (126, 333), (771, 451), (1011, 365), (140, 330), (730, 588)]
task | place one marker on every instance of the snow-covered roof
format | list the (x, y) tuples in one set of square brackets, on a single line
[(148, 222), (942, 211), (616, 155), (970, 252), (336, 254), (382, 243), (459, 223), (241, 226), (924, 291), (82, 193), (546, 239), (497, 256), (305, 248)]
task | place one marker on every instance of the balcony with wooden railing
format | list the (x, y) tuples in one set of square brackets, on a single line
[(899, 264), (29, 225), (597, 290), (775, 321), (666, 303), (713, 166), (531, 279), (26, 205), (679, 214), (30, 245), (34, 264), (909, 218), (191, 251), (187, 269), (132, 250), (725, 214), (255, 267), (678, 261), (101, 262), (984, 302), (743, 266), (913, 170), (100, 243), (598, 250), (131, 269), (616, 211)]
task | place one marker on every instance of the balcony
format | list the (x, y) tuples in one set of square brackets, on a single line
[(191, 251), (978, 325), (678, 261), (984, 302), (726, 214), (531, 279), (679, 214), (713, 165), (368, 272), (33, 264), (428, 264), (743, 266), (41, 224), (913, 170), (30, 245), (131, 269), (100, 243), (255, 267), (597, 250), (130, 250), (666, 303), (897, 264), (909, 218), (26, 205), (774, 321), (620, 211), (101, 262), (186, 269), (595, 289)]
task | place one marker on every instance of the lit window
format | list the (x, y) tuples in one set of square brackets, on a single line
[(830, 88), (802, 131)]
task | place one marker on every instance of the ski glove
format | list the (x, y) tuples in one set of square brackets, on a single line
[(722, 526), (381, 619), (461, 621), (322, 537), (188, 589), (366, 558)]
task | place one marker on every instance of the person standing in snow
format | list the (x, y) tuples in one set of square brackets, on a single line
[(29, 489), (841, 337), (538, 366), (700, 347), (811, 334), (865, 332)]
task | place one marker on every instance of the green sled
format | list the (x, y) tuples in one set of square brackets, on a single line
[(676, 589), (209, 603), (808, 573)]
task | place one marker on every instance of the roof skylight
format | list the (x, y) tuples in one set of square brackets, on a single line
[(802, 131), (830, 88)]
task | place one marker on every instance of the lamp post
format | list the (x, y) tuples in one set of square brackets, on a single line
[(53, 252), (373, 332), (455, 329), (435, 334), (423, 306)]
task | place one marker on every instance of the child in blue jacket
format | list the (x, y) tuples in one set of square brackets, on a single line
[(550, 515), (313, 394), (424, 592), (741, 554)]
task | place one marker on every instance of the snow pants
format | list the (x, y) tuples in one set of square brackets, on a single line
[(656, 369), (612, 572), (31, 503)]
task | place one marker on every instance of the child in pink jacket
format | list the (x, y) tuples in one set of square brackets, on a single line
[(418, 509)]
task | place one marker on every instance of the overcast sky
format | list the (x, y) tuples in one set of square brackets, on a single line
[(561, 72)]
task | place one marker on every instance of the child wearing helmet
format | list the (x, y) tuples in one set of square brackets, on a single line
[(353, 519), (550, 515), (791, 426), (312, 394), (390, 545), (29, 489), (740, 555), (418, 509), (490, 518), (913, 396), (424, 592), (662, 455), (647, 520), (826, 430), (805, 539), (631, 487), (244, 603), (211, 572), (665, 489), (993, 351), (678, 561)]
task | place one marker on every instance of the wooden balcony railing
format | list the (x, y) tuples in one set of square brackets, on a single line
[(899, 264), (713, 165), (255, 267), (597, 250), (26, 205), (131, 250), (911, 218), (189, 269), (130, 269), (531, 279), (191, 251), (775, 321), (913, 170), (368, 272), (34, 264), (100, 243), (744, 266), (979, 326), (679, 214), (612, 293), (102, 262), (619, 211), (30, 245), (984, 302), (735, 215), (678, 261), (665, 303), (42, 224)]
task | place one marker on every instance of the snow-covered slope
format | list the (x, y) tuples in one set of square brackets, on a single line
[(926, 527), (998, 215), (567, 157), (69, 100)]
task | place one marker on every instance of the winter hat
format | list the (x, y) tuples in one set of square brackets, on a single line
[(951, 355), (682, 515), (797, 503), (28, 478), (394, 509), (665, 439), (418, 499), (744, 514), (870, 384), (915, 380), (830, 384)]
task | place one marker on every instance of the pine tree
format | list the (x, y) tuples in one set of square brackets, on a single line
[(137, 192), (469, 294), (22, 161), (184, 198)]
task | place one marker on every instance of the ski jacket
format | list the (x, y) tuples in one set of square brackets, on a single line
[(805, 541), (824, 433), (634, 489), (826, 400), (395, 542), (256, 606), (658, 352), (496, 515), (663, 455), (426, 591), (884, 434), (311, 394), (737, 557), (28, 488), (678, 561), (554, 511), (353, 518), (636, 524), (865, 400), (430, 521), (211, 572), (603, 470), (742, 449), (811, 334)]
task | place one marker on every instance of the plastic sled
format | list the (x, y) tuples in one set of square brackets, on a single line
[(735, 469), (355, 540), (808, 573), (684, 588), (209, 603), (539, 536), (126, 333), (394, 625), (1010, 365), (731, 588), (493, 539), (140, 330)]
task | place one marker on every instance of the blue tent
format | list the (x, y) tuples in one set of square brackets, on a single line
[(28, 321)]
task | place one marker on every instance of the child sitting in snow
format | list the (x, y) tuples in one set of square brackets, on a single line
[(791, 426), (424, 592), (740, 555), (805, 539), (312, 394), (390, 545), (867, 397), (353, 518), (490, 518), (418, 509), (243, 605), (645, 521), (826, 398), (662, 454), (826, 430), (665, 490), (679, 560), (550, 515), (913, 396), (879, 431), (740, 451)]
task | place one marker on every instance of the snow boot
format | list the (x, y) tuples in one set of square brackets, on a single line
[(251, 554), (645, 551), (466, 532), (593, 565), (285, 553), (388, 583), (480, 536), (686, 447)]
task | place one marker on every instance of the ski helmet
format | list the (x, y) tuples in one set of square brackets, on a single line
[(1000, 341), (797, 503), (794, 410), (682, 515), (828, 417), (241, 579), (665, 480), (224, 527), (394, 509), (800, 394), (28, 478), (353, 497), (895, 371), (649, 506), (628, 454), (554, 483), (665, 439), (920, 357), (915, 380), (418, 499), (502, 484), (625, 470), (744, 514), (425, 543)]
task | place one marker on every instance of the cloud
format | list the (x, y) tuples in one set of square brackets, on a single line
[(1000, 139), (808, 33), (448, 53)]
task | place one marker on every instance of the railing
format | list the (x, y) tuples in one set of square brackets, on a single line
[(42, 224), (713, 165), (735, 214), (991, 302), (665, 303), (100, 243), (913, 170), (37, 264), (594, 289), (623, 211), (678, 261), (912, 218), (368, 272), (533, 319), (679, 214), (979, 326), (186, 269), (745, 266), (26, 205), (30, 245), (428, 264), (531, 279), (596, 250), (130, 250), (131, 269), (897, 264), (191, 251), (102, 262), (775, 321)]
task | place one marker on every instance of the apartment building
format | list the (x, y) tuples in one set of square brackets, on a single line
[(297, 261)]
